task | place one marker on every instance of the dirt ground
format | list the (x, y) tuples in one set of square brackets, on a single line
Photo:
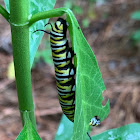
[(119, 61)]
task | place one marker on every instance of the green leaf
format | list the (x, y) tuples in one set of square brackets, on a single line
[(45, 54), (7, 5), (127, 132), (35, 7), (28, 132), (136, 15), (136, 36), (65, 129), (89, 82)]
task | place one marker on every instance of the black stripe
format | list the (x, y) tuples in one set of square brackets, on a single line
[(67, 98)]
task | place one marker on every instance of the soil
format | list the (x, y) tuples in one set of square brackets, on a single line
[(119, 60)]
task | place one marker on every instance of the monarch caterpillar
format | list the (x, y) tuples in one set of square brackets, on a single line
[(64, 69), (95, 121)]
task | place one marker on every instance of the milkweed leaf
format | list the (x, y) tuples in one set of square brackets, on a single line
[(65, 128), (136, 15), (7, 5), (127, 132), (89, 82), (36, 6)]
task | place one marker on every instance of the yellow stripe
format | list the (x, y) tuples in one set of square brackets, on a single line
[(68, 88), (65, 81), (59, 50), (58, 31), (58, 38), (59, 55), (68, 102), (62, 71), (56, 42), (67, 95), (63, 65)]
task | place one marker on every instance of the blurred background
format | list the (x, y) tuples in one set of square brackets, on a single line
[(115, 40)]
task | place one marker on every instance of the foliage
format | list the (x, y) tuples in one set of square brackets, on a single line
[(64, 128), (127, 132), (136, 15), (44, 54), (136, 35), (35, 7), (89, 83)]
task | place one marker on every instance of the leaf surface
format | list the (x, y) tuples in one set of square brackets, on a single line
[(36, 6), (89, 82), (65, 128), (35, 38), (127, 132), (136, 15)]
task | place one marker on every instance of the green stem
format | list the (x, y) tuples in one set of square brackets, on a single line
[(19, 12), (4, 13), (47, 14)]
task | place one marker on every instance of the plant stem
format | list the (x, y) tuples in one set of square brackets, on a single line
[(47, 14), (19, 12), (4, 13)]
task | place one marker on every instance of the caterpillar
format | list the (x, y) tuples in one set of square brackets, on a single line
[(64, 69), (95, 121)]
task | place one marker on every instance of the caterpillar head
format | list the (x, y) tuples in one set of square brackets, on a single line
[(62, 25), (95, 121)]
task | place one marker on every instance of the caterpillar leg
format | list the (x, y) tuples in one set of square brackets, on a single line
[(70, 53), (41, 31)]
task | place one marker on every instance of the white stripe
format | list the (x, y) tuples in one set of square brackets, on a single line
[(62, 74), (63, 90), (55, 37), (58, 48), (59, 63), (61, 79), (59, 34), (60, 58)]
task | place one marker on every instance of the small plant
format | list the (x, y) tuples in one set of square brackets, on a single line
[(136, 35), (27, 16)]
